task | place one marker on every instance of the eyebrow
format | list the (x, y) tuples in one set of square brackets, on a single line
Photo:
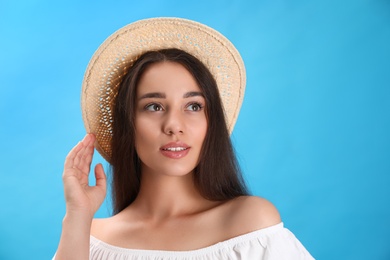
[(162, 95), (193, 94), (153, 95)]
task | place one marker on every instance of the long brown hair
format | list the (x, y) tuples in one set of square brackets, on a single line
[(217, 176)]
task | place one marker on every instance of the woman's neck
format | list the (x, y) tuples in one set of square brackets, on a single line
[(163, 197)]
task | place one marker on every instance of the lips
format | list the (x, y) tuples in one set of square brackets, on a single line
[(175, 150)]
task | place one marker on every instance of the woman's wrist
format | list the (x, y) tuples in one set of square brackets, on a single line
[(74, 242), (79, 219)]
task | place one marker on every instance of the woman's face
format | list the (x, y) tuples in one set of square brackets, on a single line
[(170, 120)]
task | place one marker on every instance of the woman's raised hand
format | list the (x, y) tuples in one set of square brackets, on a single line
[(82, 199)]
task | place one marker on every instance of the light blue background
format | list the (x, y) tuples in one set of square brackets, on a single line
[(312, 137)]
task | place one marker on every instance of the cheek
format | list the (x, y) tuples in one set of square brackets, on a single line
[(200, 129), (144, 124), (144, 131), (203, 123), (203, 128)]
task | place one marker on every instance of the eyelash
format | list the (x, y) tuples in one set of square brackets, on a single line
[(197, 104), (152, 107)]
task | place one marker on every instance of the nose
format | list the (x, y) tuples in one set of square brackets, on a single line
[(173, 123)]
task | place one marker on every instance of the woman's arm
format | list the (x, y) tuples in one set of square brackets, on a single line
[(82, 200)]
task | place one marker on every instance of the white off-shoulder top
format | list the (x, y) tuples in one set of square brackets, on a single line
[(275, 242)]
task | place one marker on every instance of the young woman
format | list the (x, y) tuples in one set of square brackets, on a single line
[(161, 116)]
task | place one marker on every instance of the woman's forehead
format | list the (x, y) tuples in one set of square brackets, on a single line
[(166, 77)]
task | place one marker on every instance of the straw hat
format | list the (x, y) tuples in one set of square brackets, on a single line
[(113, 58)]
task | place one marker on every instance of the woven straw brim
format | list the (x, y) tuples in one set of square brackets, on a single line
[(113, 58)]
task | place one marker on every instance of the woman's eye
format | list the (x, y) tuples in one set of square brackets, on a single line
[(153, 107), (194, 107)]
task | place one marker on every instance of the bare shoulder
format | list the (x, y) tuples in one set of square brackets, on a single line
[(106, 228), (99, 226), (250, 213)]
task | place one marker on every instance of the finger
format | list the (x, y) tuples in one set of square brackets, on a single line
[(88, 139), (70, 158), (76, 160), (81, 152), (101, 180), (86, 158)]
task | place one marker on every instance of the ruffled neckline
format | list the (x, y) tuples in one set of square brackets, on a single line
[(215, 247)]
